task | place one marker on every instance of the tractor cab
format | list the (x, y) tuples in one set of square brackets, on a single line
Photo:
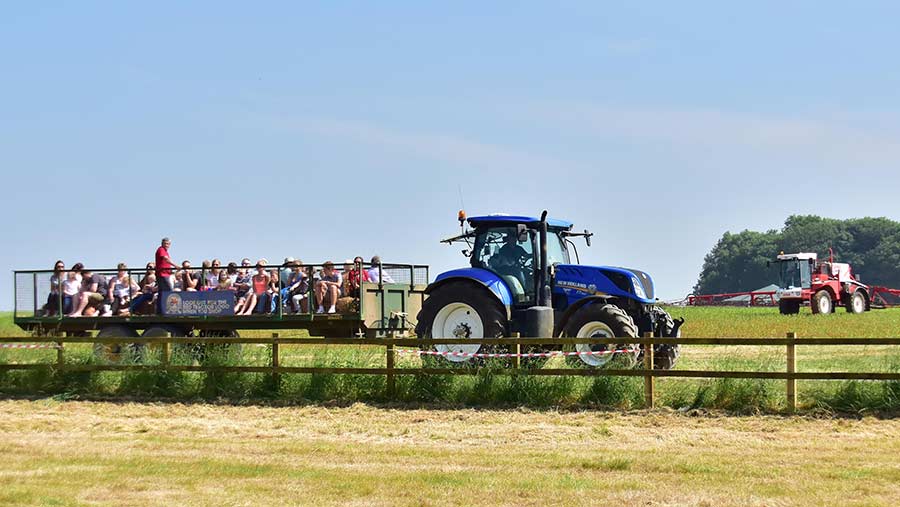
[(509, 246), (796, 271)]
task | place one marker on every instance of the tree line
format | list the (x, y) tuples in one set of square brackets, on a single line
[(738, 262)]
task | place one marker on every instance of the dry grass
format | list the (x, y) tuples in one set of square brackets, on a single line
[(84, 453)]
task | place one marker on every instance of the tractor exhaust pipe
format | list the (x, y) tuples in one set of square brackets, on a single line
[(544, 277)]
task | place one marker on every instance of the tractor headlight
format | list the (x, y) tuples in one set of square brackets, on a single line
[(638, 288)]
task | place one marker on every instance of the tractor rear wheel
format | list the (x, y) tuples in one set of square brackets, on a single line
[(821, 303), (459, 310), (789, 307), (857, 303), (600, 321)]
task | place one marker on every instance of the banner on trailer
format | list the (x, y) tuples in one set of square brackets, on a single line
[(198, 304)]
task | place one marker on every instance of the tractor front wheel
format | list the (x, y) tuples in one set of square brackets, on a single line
[(857, 303), (600, 321), (821, 303), (789, 307)]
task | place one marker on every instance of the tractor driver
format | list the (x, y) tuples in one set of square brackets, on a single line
[(511, 259)]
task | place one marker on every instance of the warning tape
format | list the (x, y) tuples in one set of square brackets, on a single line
[(554, 353), (29, 346)]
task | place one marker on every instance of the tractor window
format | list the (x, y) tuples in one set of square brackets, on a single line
[(796, 273), (556, 250), (498, 249)]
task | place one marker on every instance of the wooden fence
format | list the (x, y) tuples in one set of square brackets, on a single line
[(390, 371)]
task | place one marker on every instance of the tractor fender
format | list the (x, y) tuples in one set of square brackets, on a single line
[(481, 279), (573, 309)]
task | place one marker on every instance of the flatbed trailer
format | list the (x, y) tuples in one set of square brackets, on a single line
[(382, 309)]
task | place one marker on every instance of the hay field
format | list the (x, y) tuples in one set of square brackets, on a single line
[(102, 453)]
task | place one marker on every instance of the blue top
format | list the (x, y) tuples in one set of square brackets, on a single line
[(516, 219)]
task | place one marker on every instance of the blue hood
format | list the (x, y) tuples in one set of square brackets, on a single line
[(577, 282)]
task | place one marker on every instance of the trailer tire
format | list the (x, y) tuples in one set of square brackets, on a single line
[(599, 320), (161, 331), (789, 307), (114, 352), (857, 303), (821, 303), (456, 309)]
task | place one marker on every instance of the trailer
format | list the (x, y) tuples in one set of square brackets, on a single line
[(381, 309)]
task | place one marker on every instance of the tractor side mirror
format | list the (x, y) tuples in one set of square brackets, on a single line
[(587, 237), (522, 233)]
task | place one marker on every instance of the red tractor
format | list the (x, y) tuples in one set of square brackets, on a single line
[(824, 285)]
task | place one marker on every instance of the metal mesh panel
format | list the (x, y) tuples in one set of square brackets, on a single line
[(406, 274), (32, 290)]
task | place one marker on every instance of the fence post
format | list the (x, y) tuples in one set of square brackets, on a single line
[(60, 360), (276, 376), (389, 350), (649, 380), (166, 350), (791, 369), (517, 361)]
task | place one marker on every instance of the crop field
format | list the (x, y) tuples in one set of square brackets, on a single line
[(232, 439)]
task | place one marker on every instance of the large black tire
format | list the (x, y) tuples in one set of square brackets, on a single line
[(857, 303), (217, 351), (664, 355), (160, 331), (460, 309), (789, 307), (115, 352), (599, 320), (821, 303)]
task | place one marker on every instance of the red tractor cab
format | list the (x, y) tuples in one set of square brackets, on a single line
[(823, 285)]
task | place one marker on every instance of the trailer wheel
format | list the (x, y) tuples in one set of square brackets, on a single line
[(457, 310), (789, 307), (161, 331), (114, 352), (857, 303), (821, 303), (203, 351), (600, 321)]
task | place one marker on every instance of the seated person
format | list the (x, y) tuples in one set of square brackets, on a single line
[(56, 280), (511, 259), (241, 284), (328, 288), (296, 289), (71, 287), (376, 272), (187, 277), (121, 289), (94, 288), (143, 303), (255, 302), (353, 276)]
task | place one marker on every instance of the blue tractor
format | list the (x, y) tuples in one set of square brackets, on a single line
[(522, 280)]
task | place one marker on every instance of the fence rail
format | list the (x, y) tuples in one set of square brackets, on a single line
[(391, 370)]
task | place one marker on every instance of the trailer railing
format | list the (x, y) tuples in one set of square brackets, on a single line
[(393, 345), (35, 298)]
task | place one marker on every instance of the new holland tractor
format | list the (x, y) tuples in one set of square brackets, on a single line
[(521, 279), (823, 285)]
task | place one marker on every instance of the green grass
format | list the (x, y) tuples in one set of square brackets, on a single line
[(488, 389)]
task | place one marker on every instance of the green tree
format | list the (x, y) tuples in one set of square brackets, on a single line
[(738, 261)]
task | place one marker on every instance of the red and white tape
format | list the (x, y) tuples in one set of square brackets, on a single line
[(554, 353), (29, 346)]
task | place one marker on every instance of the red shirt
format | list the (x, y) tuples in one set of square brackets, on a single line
[(353, 276), (163, 266)]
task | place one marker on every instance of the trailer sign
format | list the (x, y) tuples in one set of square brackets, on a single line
[(198, 304)]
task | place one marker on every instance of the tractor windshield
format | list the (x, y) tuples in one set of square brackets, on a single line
[(795, 273), (500, 250), (556, 250)]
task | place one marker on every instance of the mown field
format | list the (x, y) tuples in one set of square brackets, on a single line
[(191, 439)]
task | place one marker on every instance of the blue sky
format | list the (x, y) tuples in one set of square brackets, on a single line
[(326, 130)]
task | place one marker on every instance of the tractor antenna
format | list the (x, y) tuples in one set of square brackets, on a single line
[(462, 204)]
